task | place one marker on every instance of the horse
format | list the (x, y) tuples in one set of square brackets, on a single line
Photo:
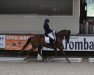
[(38, 42)]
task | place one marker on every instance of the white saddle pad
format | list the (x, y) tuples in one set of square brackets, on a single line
[(47, 39)]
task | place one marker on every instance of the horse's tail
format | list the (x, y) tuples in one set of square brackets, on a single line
[(27, 43)]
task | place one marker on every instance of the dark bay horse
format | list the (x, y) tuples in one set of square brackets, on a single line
[(38, 41)]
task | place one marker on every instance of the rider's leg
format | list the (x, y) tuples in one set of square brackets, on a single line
[(52, 39), (51, 36)]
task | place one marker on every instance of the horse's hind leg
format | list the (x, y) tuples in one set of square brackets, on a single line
[(39, 52), (28, 53), (27, 56)]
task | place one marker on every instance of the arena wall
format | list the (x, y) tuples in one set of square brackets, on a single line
[(34, 23)]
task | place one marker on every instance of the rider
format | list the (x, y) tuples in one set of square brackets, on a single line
[(48, 32)]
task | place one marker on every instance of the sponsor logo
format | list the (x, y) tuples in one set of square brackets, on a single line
[(80, 43), (2, 41)]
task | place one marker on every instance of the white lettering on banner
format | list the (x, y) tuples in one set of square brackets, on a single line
[(2, 41), (79, 43), (17, 37)]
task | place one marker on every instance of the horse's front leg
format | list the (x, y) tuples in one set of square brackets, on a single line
[(61, 49)]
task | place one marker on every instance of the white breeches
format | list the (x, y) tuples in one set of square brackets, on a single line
[(51, 36)]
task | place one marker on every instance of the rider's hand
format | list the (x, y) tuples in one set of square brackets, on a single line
[(53, 31)]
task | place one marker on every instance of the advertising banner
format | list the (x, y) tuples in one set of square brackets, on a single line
[(76, 43), (16, 42), (2, 41), (79, 43)]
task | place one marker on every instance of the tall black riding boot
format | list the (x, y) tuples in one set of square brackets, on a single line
[(51, 43)]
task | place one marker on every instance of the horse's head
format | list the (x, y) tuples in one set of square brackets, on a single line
[(65, 34)]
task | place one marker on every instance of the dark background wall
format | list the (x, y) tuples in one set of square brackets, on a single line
[(60, 7)]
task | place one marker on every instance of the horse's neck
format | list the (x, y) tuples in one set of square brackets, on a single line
[(60, 36)]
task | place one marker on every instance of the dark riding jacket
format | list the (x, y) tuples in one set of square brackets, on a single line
[(47, 29)]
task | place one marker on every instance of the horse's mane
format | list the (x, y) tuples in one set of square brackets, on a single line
[(60, 32)]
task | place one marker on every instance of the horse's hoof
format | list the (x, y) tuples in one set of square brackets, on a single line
[(49, 61), (68, 61), (45, 60), (24, 59)]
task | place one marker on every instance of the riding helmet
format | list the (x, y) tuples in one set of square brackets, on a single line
[(47, 20)]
